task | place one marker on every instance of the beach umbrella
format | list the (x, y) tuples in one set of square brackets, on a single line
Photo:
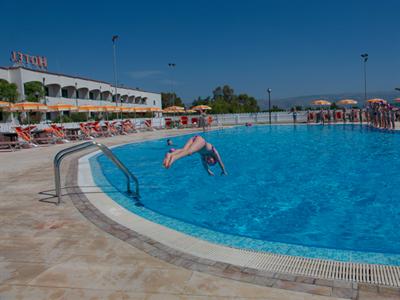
[(321, 102), (190, 111), (139, 109), (347, 102), (153, 109), (201, 107), (61, 108), (397, 100), (89, 108), (376, 100), (126, 109), (28, 107), (174, 109), (5, 104), (110, 108)]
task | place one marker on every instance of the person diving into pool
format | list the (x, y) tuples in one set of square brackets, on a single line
[(209, 155)]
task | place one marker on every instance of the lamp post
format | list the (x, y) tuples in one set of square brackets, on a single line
[(365, 59), (172, 66), (269, 105), (114, 40), (76, 94), (44, 90)]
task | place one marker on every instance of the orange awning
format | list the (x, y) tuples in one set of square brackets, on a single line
[(29, 106), (90, 108), (62, 107), (5, 104), (153, 109)]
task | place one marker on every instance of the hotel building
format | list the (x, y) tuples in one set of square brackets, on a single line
[(61, 88)]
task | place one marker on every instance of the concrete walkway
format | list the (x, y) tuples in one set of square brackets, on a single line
[(53, 252)]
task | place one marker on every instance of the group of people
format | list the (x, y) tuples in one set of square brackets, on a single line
[(379, 115), (336, 115), (382, 115)]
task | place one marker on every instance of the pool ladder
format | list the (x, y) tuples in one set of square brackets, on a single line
[(107, 152)]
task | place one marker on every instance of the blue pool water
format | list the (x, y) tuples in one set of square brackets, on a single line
[(331, 189)]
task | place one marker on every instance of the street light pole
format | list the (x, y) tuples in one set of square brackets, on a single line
[(76, 94), (114, 39), (172, 66), (365, 59), (269, 104), (44, 90)]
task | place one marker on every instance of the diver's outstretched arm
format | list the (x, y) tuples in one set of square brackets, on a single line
[(220, 162)]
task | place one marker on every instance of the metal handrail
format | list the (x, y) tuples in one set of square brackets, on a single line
[(65, 152)]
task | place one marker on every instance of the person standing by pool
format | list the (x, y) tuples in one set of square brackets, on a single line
[(294, 114), (344, 114), (208, 154), (202, 120), (392, 114)]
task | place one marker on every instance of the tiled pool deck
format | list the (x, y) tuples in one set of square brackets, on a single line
[(50, 252)]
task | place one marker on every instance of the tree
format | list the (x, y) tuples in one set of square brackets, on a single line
[(34, 91), (169, 99), (333, 106), (225, 100), (8, 91)]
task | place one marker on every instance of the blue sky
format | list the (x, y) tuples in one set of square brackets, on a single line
[(295, 47)]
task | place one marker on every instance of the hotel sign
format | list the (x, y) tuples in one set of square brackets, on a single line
[(29, 60)]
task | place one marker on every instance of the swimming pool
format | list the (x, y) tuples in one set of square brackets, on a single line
[(313, 191)]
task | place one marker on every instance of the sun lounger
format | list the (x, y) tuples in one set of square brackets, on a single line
[(210, 120), (311, 117), (111, 128), (339, 116), (148, 125), (168, 123), (195, 122), (85, 130), (356, 116), (33, 140), (127, 127), (184, 121), (6, 143)]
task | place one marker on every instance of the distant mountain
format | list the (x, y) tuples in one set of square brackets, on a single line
[(305, 101)]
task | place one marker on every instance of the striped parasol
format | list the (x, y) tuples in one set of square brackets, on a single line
[(321, 102), (347, 102)]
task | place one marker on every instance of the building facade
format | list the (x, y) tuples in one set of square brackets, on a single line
[(61, 88)]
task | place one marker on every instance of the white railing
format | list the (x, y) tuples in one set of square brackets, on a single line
[(73, 101), (259, 118), (219, 119)]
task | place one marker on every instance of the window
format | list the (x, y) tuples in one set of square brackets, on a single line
[(46, 91), (64, 93), (91, 95), (154, 102)]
